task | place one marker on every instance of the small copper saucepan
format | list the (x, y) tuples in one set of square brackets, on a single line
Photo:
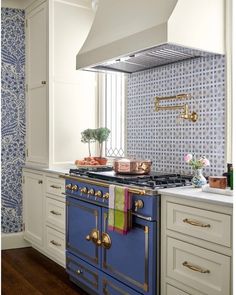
[(132, 166)]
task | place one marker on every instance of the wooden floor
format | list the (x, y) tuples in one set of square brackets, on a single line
[(27, 272)]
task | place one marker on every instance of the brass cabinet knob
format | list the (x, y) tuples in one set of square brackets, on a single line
[(98, 194), (43, 82), (91, 191), (84, 190), (79, 271), (40, 181), (138, 204), (106, 241), (69, 186), (75, 188), (94, 237), (106, 196), (99, 242)]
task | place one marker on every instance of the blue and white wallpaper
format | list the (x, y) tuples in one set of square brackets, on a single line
[(13, 116), (161, 136)]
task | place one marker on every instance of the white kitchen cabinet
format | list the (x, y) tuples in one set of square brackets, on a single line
[(44, 212), (36, 89), (33, 205), (196, 247), (60, 101)]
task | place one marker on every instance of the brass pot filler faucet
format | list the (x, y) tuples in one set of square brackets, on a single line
[(185, 114)]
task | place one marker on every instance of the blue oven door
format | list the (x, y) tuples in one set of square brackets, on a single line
[(131, 258), (83, 222)]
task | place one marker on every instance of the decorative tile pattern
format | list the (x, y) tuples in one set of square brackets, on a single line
[(13, 116), (160, 136)]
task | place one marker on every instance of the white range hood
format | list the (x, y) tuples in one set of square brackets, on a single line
[(134, 35)]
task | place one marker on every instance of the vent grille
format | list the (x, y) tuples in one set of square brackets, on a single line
[(151, 58)]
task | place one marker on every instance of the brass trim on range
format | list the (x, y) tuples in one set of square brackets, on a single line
[(106, 185), (106, 291), (80, 274), (69, 246), (145, 229)]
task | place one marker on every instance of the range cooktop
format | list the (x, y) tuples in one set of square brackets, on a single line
[(154, 180)]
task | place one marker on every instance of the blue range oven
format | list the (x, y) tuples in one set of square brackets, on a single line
[(105, 262)]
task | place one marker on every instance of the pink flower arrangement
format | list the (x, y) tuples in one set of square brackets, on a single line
[(196, 163)]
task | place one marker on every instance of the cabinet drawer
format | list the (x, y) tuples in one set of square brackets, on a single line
[(83, 273), (198, 268), (202, 224), (55, 244), (170, 290), (55, 213), (55, 186)]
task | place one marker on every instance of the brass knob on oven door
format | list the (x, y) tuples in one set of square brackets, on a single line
[(106, 241), (98, 194), (94, 237), (91, 192), (69, 186), (138, 204), (84, 190), (75, 188), (106, 196)]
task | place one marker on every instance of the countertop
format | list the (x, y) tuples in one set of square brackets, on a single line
[(60, 169), (197, 194)]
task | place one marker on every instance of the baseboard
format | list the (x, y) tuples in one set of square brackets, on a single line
[(13, 241)]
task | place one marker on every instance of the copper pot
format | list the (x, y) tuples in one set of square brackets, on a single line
[(132, 166)]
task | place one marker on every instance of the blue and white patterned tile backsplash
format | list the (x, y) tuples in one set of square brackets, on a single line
[(159, 136), (13, 116)]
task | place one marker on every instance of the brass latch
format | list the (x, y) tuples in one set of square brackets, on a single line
[(185, 114)]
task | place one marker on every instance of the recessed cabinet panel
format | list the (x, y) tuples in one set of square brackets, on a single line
[(174, 291), (55, 213), (33, 208), (203, 224), (36, 87), (55, 244), (37, 138), (198, 268)]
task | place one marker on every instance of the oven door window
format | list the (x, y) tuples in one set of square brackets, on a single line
[(131, 258)]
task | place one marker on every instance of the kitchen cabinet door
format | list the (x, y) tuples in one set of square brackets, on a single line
[(36, 87), (83, 237), (129, 257), (33, 207)]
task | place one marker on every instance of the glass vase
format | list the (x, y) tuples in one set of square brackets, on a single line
[(198, 179)]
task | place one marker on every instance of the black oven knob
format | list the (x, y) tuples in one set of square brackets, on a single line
[(98, 194)]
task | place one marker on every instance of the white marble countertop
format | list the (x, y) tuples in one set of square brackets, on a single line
[(197, 194), (59, 169)]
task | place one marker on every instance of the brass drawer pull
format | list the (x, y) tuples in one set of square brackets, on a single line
[(55, 212), (195, 223), (195, 268), (55, 186), (55, 243)]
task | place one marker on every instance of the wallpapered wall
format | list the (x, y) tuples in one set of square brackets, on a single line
[(13, 116), (159, 136)]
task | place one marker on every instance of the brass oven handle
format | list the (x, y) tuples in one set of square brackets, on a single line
[(195, 223), (55, 212), (55, 243), (195, 268), (94, 237), (106, 241), (55, 186)]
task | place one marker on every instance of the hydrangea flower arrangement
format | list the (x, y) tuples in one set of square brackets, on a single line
[(196, 163)]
